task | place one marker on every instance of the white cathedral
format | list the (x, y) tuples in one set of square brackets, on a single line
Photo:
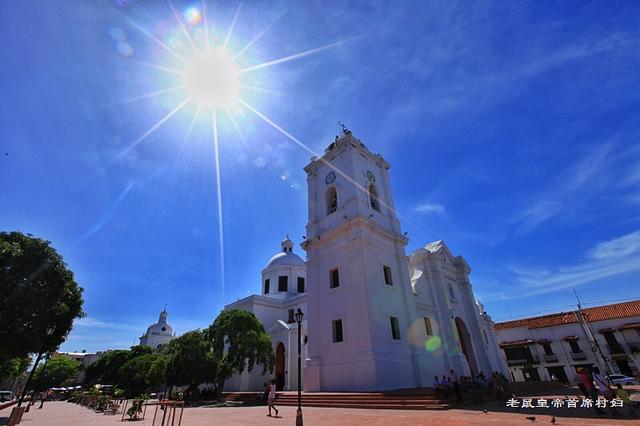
[(374, 318)]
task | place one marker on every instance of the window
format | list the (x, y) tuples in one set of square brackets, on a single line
[(283, 283), (373, 197), (332, 200), (427, 326), (575, 348), (300, 285), (266, 286), (337, 331), (547, 348), (334, 278), (388, 279), (291, 318), (395, 328)]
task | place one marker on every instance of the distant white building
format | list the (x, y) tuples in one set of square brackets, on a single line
[(375, 318), (158, 334), (557, 344)]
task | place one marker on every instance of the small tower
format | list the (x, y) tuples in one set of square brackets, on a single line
[(360, 310)]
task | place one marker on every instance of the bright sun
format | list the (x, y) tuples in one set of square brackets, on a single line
[(211, 79)]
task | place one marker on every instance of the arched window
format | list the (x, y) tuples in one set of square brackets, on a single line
[(332, 200), (373, 197)]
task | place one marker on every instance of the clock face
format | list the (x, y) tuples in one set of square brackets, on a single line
[(370, 176), (330, 178)]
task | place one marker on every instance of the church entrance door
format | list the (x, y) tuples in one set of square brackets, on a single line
[(467, 347), (280, 366)]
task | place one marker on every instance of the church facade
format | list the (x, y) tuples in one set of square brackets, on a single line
[(375, 317)]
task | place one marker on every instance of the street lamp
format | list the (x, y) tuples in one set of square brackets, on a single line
[(299, 316), (50, 331)]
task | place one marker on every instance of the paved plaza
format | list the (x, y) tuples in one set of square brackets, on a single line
[(67, 414)]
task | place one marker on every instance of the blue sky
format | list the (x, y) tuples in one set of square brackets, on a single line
[(512, 129)]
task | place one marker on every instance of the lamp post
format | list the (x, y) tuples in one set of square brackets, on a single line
[(299, 316), (50, 331)]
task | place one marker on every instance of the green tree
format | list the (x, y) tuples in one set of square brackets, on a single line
[(190, 361), (59, 371), (157, 373), (11, 369), (39, 298), (106, 370), (239, 342), (133, 374)]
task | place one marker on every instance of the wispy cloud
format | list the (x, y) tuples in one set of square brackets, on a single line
[(105, 217), (569, 191), (429, 208), (606, 259), (617, 247)]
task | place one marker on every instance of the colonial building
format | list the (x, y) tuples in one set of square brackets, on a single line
[(158, 334), (557, 344), (375, 318)]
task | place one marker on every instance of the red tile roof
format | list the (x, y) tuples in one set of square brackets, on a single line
[(597, 313)]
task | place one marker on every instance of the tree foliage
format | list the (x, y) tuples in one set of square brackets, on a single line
[(37, 293), (106, 370), (239, 342), (133, 374), (190, 361), (59, 371), (11, 369)]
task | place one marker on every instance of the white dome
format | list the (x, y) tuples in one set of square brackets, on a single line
[(161, 327), (285, 259)]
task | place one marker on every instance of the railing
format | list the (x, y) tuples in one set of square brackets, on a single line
[(578, 356), (615, 349), (634, 346), (551, 358), (523, 361)]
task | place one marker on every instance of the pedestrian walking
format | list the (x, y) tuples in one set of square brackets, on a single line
[(272, 397)]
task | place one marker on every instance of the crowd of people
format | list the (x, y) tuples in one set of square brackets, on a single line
[(470, 386)]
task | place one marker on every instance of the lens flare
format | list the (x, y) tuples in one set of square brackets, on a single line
[(433, 343), (211, 79), (193, 16)]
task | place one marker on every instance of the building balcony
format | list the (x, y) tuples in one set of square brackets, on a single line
[(634, 346), (615, 349), (578, 356), (523, 361), (551, 358)]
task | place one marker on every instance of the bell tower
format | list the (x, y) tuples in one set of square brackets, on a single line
[(360, 307)]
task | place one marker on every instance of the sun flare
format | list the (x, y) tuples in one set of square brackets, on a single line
[(211, 79)]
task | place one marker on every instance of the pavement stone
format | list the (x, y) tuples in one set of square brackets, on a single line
[(67, 414)]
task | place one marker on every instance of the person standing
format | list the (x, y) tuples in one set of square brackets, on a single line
[(591, 391), (603, 388), (456, 385), (272, 397)]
